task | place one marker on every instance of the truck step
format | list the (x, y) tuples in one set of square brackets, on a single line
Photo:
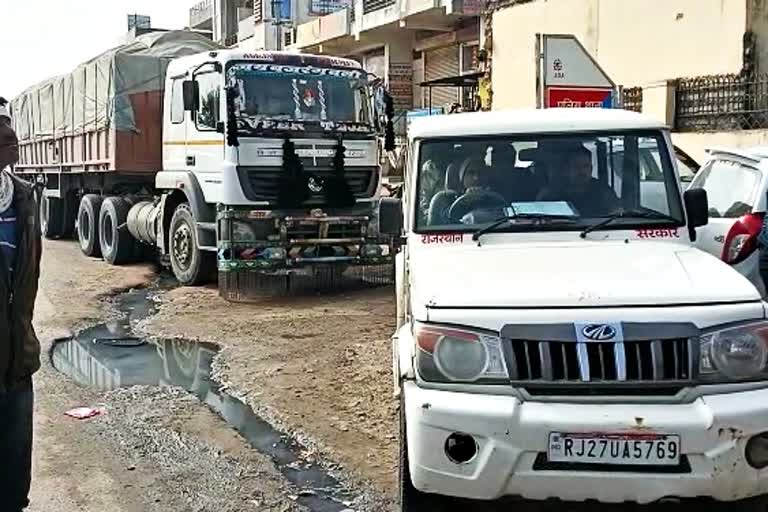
[(208, 226)]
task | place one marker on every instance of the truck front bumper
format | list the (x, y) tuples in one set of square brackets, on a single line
[(511, 435)]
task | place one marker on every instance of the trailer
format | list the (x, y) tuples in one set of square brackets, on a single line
[(262, 166)]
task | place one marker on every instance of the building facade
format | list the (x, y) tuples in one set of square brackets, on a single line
[(683, 59)]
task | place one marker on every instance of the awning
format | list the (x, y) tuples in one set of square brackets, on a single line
[(465, 80)]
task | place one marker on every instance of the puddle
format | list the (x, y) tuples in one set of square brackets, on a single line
[(110, 356)]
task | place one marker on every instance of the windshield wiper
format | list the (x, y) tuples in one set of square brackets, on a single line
[(504, 220), (624, 214)]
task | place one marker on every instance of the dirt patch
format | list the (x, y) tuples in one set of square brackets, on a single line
[(77, 286), (320, 365)]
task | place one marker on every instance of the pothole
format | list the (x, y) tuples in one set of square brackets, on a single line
[(110, 356)]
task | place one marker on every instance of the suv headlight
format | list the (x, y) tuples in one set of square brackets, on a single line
[(737, 353), (459, 355)]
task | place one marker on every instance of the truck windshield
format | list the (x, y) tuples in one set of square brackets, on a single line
[(266, 92), (550, 182)]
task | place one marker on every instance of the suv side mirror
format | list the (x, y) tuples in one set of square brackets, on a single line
[(697, 208), (390, 216), (191, 93)]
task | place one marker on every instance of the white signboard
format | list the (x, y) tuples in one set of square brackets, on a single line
[(568, 63), (566, 71)]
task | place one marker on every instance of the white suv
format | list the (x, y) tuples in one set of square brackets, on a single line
[(559, 336)]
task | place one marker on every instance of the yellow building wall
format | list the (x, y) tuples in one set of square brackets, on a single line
[(636, 42)]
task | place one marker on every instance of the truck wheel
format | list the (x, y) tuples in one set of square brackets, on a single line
[(70, 217), (51, 216), (190, 265), (116, 243), (88, 225)]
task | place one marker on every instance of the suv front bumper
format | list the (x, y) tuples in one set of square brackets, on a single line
[(511, 434)]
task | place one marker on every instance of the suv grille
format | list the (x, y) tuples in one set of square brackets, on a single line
[(261, 184), (602, 362)]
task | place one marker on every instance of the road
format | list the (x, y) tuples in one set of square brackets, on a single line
[(316, 368), (154, 449)]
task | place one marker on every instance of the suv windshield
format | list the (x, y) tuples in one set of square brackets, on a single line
[(547, 182), (267, 92)]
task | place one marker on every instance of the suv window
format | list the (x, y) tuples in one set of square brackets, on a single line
[(730, 187)]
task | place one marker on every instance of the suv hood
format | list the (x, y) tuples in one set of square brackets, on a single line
[(583, 274)]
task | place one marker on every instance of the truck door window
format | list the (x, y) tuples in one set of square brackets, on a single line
[(208, 114), (177, 101)]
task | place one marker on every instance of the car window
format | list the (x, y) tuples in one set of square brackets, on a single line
[(731, 187)]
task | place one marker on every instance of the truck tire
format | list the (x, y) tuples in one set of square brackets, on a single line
[(116, 243), (88, 225), (52, 213), (190, 265), (69, 227)]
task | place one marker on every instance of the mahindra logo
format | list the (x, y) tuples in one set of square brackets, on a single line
[(599, 332)]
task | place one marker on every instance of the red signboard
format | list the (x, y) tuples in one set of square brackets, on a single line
[(578, 97)]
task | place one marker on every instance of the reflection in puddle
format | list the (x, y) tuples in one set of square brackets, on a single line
[(109, 356)]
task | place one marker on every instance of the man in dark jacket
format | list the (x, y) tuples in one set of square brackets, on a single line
[(20, 249)]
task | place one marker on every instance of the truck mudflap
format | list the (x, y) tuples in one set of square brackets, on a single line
[(265, 254)]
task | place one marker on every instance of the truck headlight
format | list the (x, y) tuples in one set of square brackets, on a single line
[(459, 355), (737, 353)]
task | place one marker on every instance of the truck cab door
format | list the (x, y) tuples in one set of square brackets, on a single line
[(205, 134), (175, 127)]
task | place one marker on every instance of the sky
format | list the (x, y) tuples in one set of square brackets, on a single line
[(44, 38)]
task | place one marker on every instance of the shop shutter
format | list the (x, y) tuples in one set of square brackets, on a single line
[(441, 63)]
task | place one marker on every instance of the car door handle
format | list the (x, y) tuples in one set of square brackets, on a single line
[(190, 160)]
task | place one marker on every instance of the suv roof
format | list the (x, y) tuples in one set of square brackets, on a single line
[(549, 120)]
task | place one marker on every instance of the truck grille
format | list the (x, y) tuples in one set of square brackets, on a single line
[(260, 184), (657, 361), (316, 230)]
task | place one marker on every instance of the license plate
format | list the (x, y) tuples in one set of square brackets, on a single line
[(623, 449)]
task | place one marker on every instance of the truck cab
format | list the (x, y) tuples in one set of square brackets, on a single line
[(279, 153), (559, 336)]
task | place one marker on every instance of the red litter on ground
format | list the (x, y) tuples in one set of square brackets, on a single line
[(83, 413)]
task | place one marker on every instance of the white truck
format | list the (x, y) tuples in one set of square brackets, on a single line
[(560, 338), (258, 164)]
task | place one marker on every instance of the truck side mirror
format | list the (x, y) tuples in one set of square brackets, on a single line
[(390, 216), (697, 208), (191, 93)]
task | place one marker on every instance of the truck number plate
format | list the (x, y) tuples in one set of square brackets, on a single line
[(624, 449)]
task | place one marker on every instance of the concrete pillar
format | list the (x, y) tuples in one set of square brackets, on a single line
[(398, 56), (659, 101)]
